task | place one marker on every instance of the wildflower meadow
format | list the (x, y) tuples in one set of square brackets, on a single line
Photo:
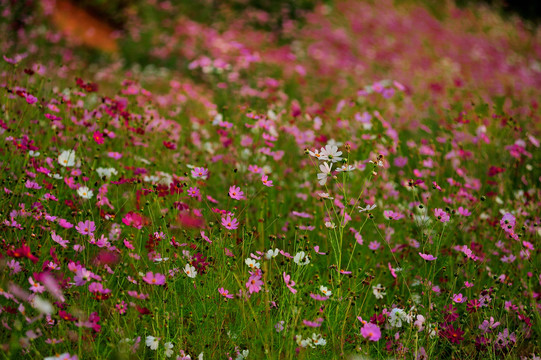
[(361, 182)]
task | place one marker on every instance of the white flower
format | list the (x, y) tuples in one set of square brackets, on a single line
[(378, 291), (325, 196), (252, 264), (318, 340), (42, 305), (368, 208), (85, 192), (107, 172), (331, 153), (190, 271), (271, 254), (345, 168), (301, 258), (396, 317), (152, 342), (315, 154), (325, 291), (63, 356), (67, 158), (324, 174), (330, 224), (168, 349), (34, 153), (242, 354)]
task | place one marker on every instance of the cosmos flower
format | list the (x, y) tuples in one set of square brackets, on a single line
[(326, 171), (458, 298), (86, 228), (190, 271), (252, 264), (67, 158), (289, 283), (441, 215), (200, 173), (379, 291), (236, 193), (230, 223), (427, 257), (265, 180), (152, 342), (301, 258), (371, 332), (225, 293), (154, 279), (85, 192), (331, 153)]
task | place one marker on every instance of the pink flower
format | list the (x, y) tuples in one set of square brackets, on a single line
[(230, 224), (265, 180), (427, 257), (35, 286), (391, 215), (225, 293), (205, 237), (114, 155), (441, 215), (468, 284), (289, 283), (463, 211), (371, 332), (86, 228), (236, 193), (200, 173), (318, 297), (65, 223), (458, 298), (31, 99), (193, 192), (254, 284), (154, 279)]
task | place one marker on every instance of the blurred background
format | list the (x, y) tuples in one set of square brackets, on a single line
[(128, 27)]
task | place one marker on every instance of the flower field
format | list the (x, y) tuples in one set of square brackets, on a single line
[(362, 183)]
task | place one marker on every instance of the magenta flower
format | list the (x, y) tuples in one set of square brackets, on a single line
[(441, 215), (236, 193), (98, 137), (427, 257), (154, 279), (371, 332), (230, 224), (86, 228), (265, 180), (31, 99), (225, 293), (289, 283)]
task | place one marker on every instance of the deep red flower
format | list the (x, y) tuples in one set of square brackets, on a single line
[(450, 333)]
